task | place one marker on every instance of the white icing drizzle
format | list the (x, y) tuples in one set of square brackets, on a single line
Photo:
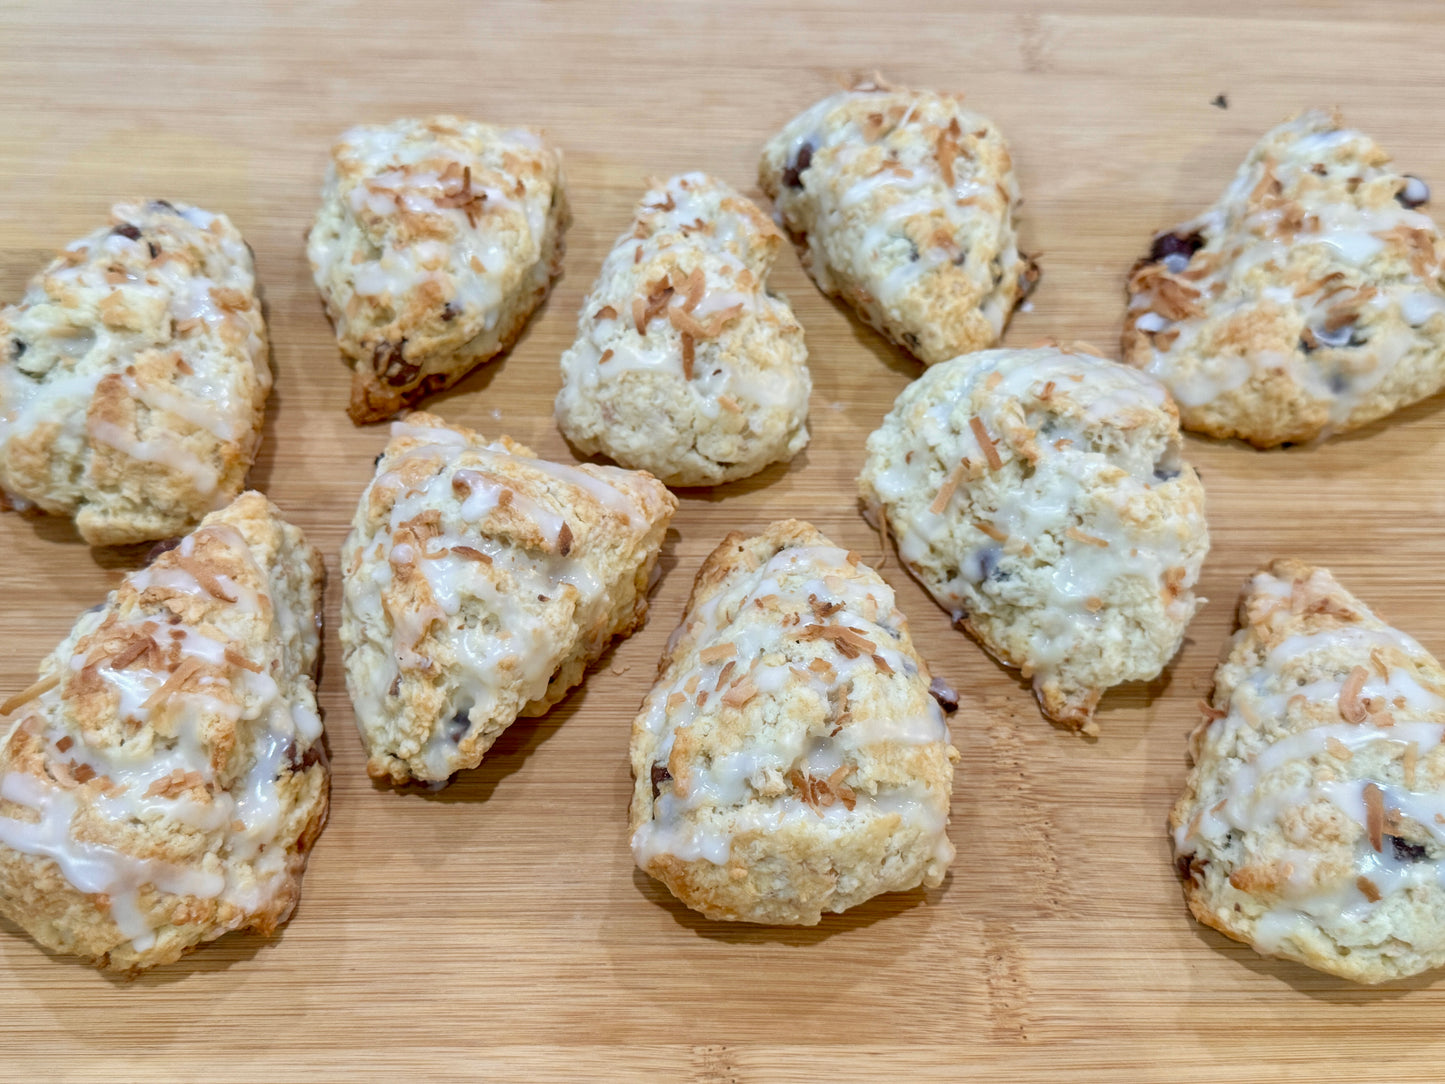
[(747, 785), (169, 743)]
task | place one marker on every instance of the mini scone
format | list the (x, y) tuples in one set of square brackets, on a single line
[(790, 760), (902, 202), (479, 584), (685, 365), (164, 780), (1307, 301), (1311, 824), (134, 374), (1042, 498), (436, 240)]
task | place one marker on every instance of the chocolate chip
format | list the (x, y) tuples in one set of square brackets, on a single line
[(1191, 867), (155, 249), (449, 312), (1414, 193), (458, 725), (126, 230), (164, 205), (988, 562), (313, 755), (943, 692), (1405, 851), (377, 461), (1165, 473), (18, 348), (160, 548), (1220, 102), (391, 365), (802, 160), (1171, 248), (660, 775)]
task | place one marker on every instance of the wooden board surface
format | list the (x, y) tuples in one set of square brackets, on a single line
[(498, 929)]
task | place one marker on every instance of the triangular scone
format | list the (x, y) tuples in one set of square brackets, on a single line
[(1041, 496), (134, 374), (790, 760), (436, 240), (901, 202), (480, 582), (164, 780), (1308, 300), (686, 363), (1313, 823)]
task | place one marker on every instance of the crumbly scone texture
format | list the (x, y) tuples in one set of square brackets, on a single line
[(164, 780), (1041, 496), (790, 760), (1307, 301), (134, 374), (435, 241), (902, 203), (479, 584), (1311, 824), (685, 365)]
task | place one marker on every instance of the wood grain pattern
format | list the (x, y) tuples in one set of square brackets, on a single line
[(498, 928)]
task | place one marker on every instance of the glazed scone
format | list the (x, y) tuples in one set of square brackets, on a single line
[(479, 584), (790, 760), (435, 241), (164, 780), (134, 374), (685, 365), (1311, 824), (1042, 498), (1307, 301), (902, 202)]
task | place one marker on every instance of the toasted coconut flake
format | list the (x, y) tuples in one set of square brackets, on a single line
[(236, 659), (1409, 762), (1375, 816), (1368, 887), (985, 442), (39, 689), (740, 693), (203, 576), (173, 684), (718, 652), (945, 491), (1210, 712), (821, 609), (992, 531), (174, 784), (725, 673), (564, 539), (882, 664), (472, 554), (81, 773), (1352, 710), (1377, 660), (676, 700), (694, 289), (1093, 604), (728, 403), (606, 312), (132, 651), (64, 743), (689, 355), (639, 315), (1087, 539), (1338, 749)]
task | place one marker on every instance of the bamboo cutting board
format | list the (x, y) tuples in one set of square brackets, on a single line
[(498, 929)]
